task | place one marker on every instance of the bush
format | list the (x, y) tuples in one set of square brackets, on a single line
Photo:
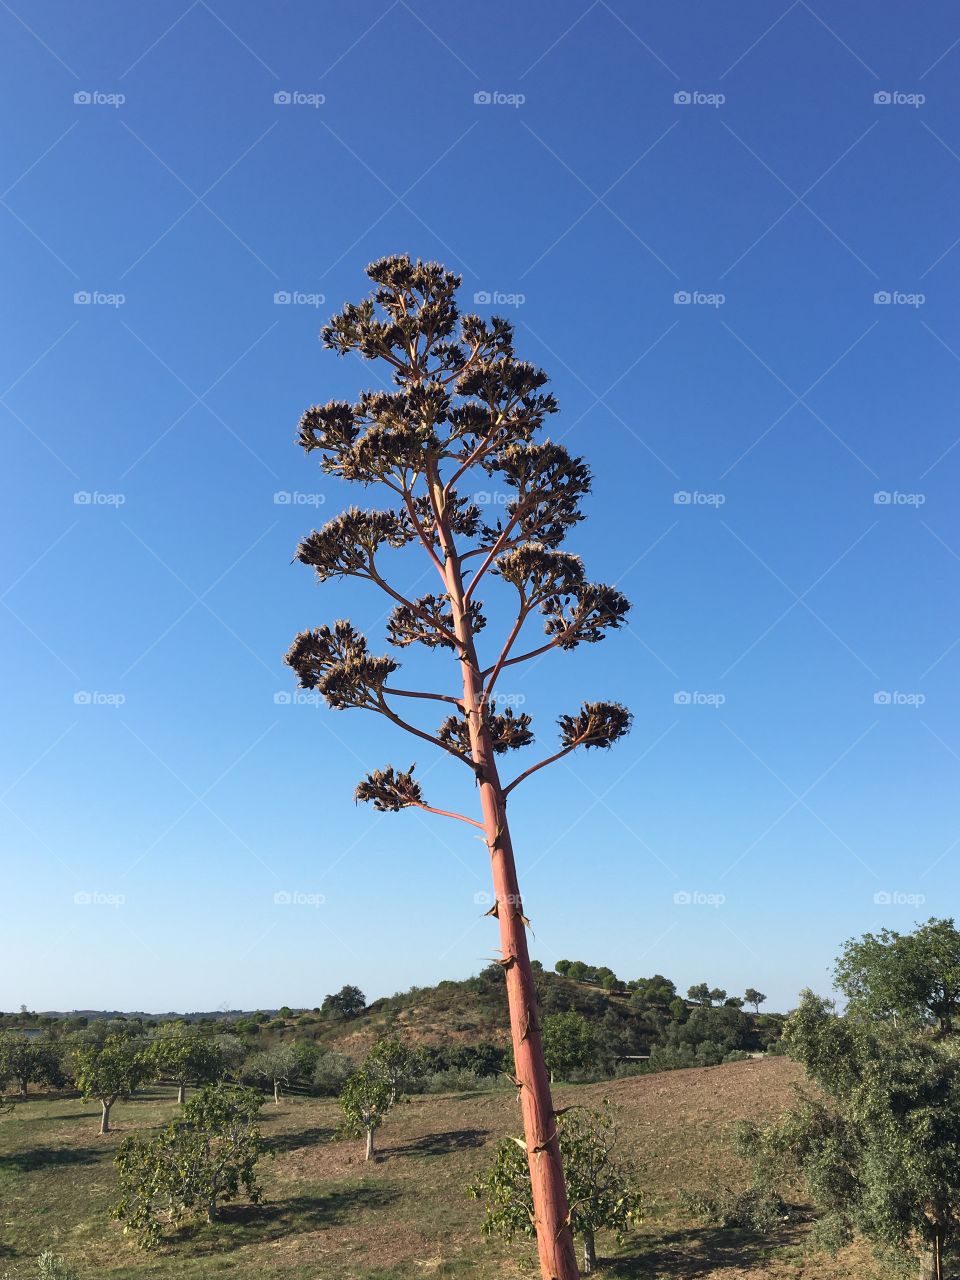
[(48, 1266), (331, 1073), (455, 1080), (755, 1209)]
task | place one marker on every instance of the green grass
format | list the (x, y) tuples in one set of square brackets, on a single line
[(326, 1213)]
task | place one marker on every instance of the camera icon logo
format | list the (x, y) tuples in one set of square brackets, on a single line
[(282, 298), (882, 98), (883, 898), (282, 98), (681, 298), (882, 298), (683, 898), (682, 98), (483, 898), (82, 298), (882, 698), (482, 297), (483, 98), (82, 98), (282, 898), (681, 698)]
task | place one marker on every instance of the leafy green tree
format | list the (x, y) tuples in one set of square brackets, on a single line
[(461, 410), (562, 967), (603, 1187), (186, 1056), (754, 997), (717, 995), (275, 1066), (657, 991), (915, 976), (345, 1003), (30, 1060), (878, 1146), (110, 1070), (365, 1101), (569, 1043), (203, 1158), (700, 993), (396, 1062), (232, 1052)]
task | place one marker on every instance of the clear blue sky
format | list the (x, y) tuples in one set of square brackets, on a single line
[(181, 811)]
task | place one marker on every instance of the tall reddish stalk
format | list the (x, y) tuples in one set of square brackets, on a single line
[(462, 403)]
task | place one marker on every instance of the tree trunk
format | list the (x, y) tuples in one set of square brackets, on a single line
[(589, 1253), (212, 1210), (181, 1093), (558, 1260), (931, 1261), (369, 1154), (276, 1092), (105, 1118), (22, 1083)]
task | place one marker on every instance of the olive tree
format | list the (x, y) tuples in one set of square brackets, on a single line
[(110, 1069), (462, 410), (185, 1056), (569, 1043), (914, 976), (365, 1099), (275, 1066), (877, 1148), (29, 1060), (204, 1157), (754, 997), (602, 1185)]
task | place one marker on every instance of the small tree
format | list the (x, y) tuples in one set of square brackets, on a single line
[(914, 976), (398, 1065), (29, 1060), (569, 1043), (754, 997), (185, 1056), (110, 1070), (602, 1186), (345, 1003), (699, 994), (878, 1147), (203, 1158), (462, 410), (365, 1100), (275, 1066)]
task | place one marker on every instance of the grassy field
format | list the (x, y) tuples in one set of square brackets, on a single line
[(328, 1214)]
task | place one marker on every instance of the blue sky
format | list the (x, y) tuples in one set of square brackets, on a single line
[(793, 652)]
